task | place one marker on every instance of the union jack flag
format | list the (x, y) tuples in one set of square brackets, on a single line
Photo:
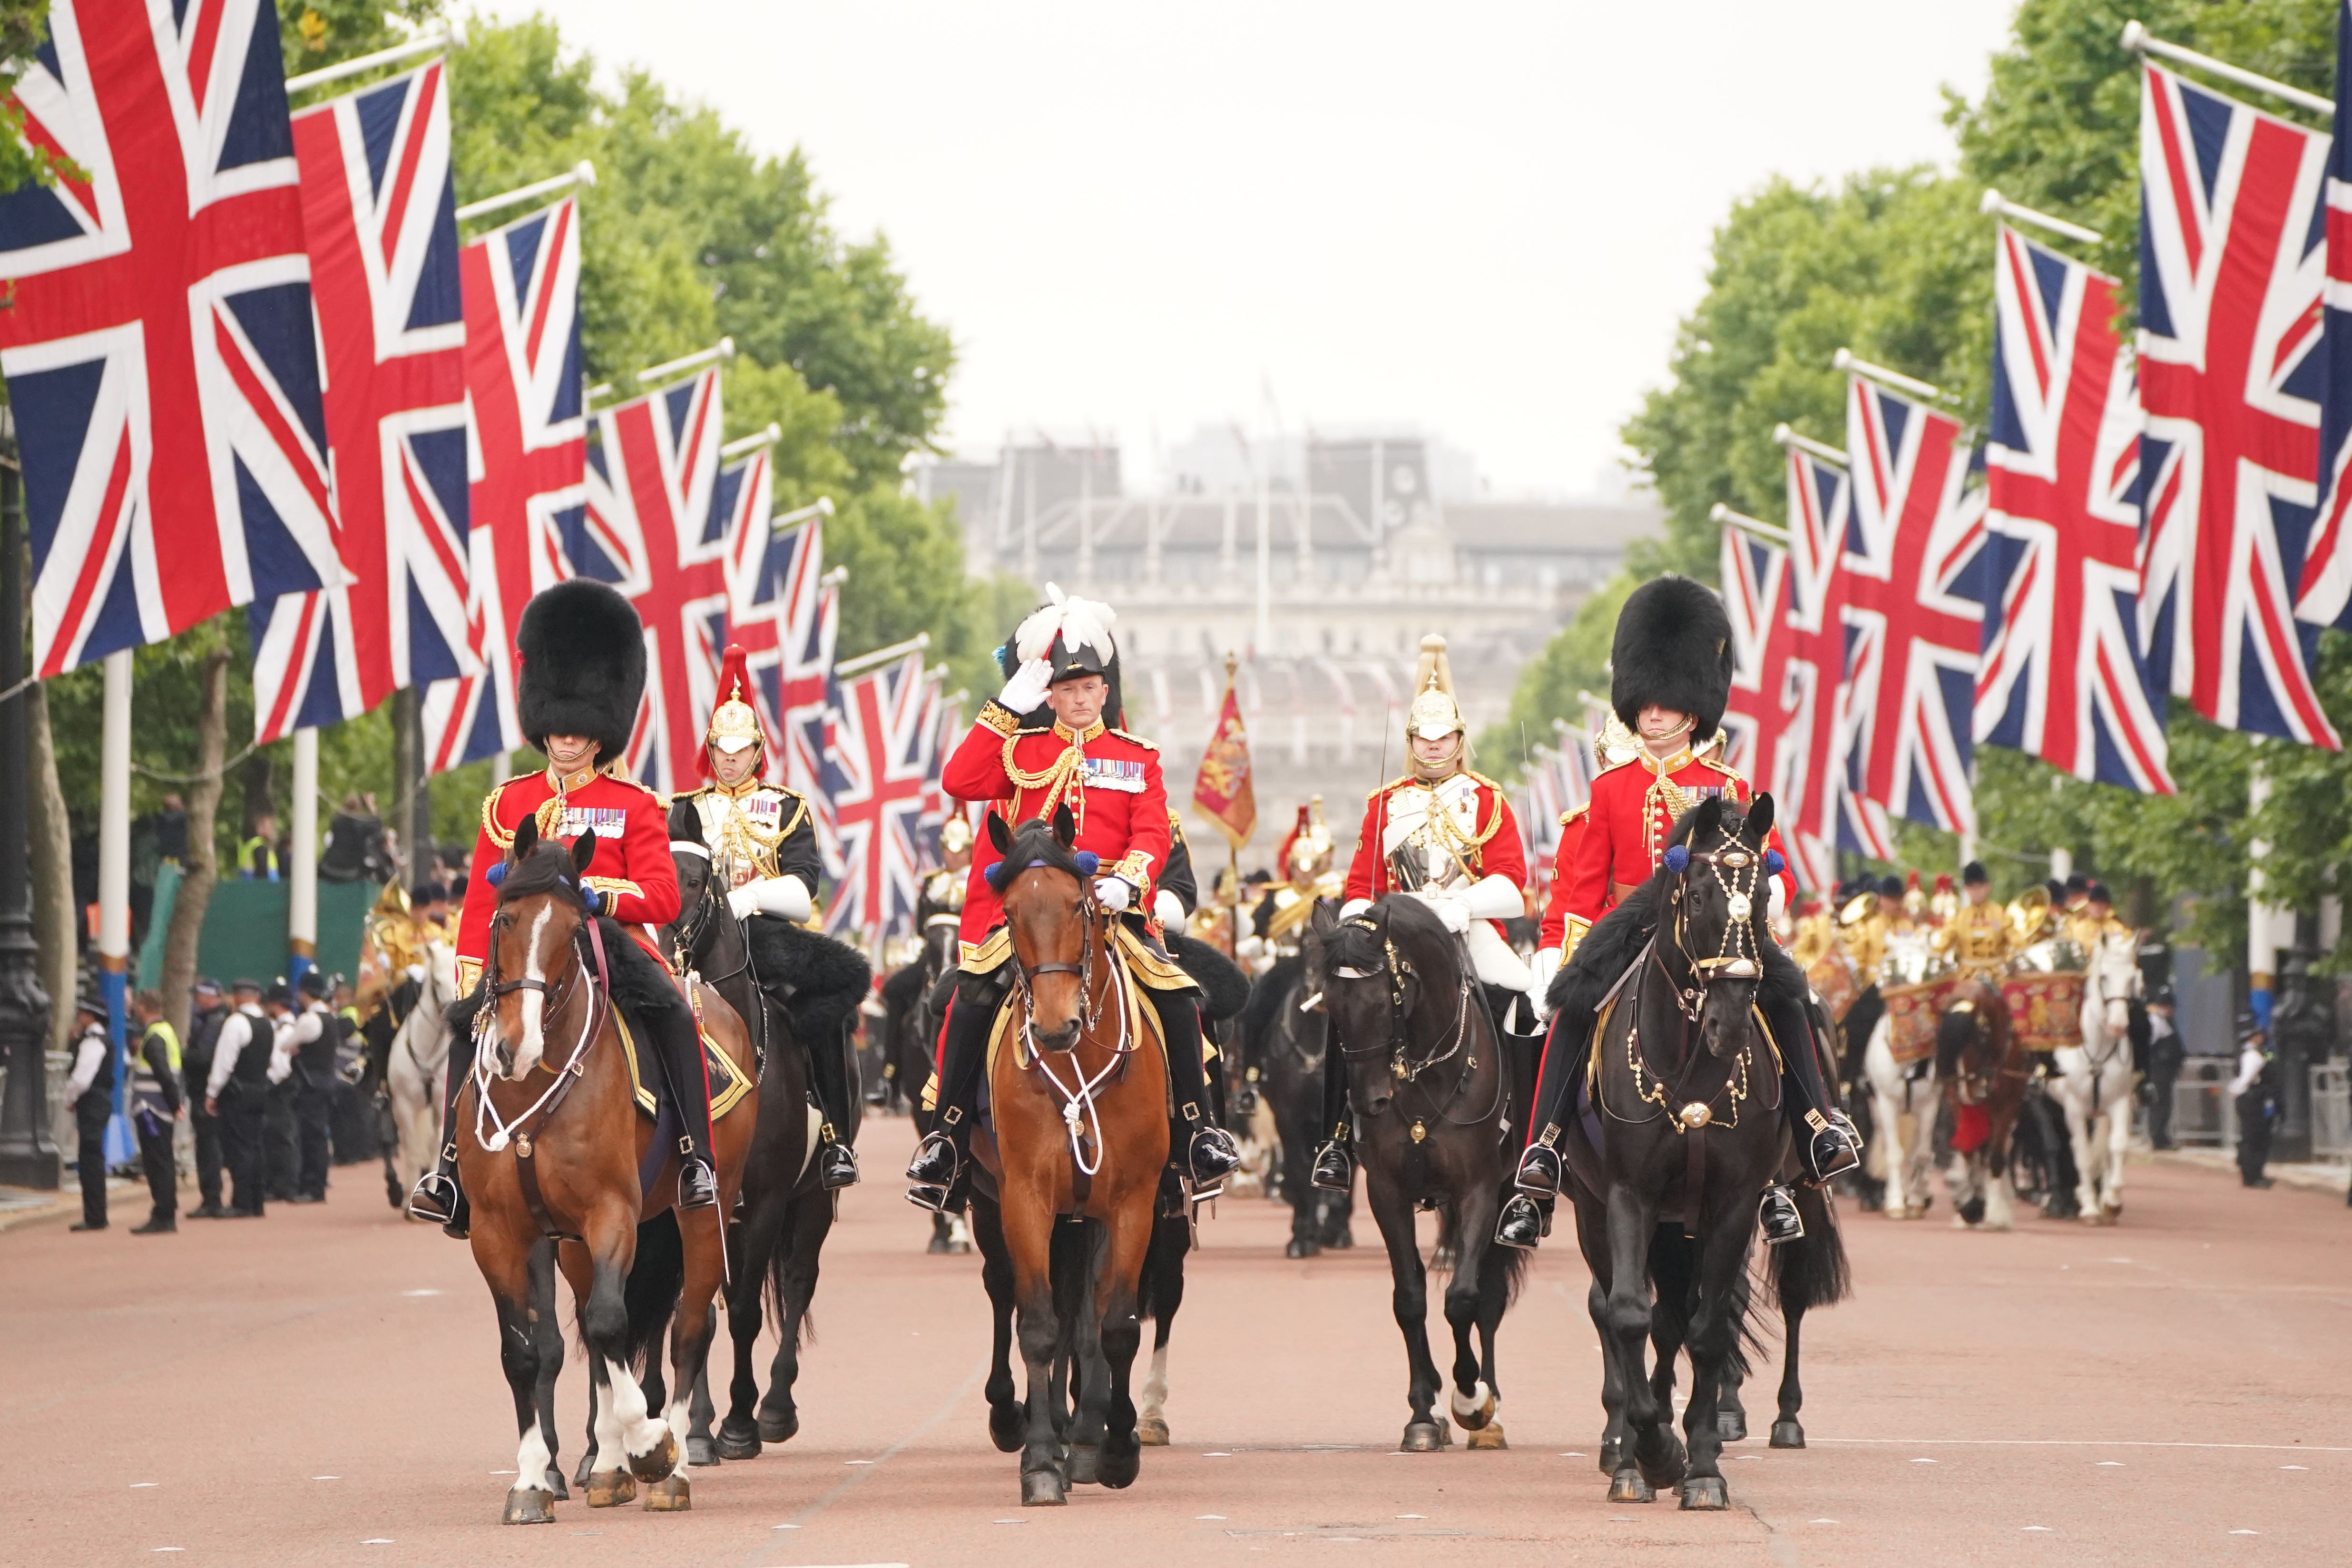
[(1768, 719), (1909, 574), (2231, 266), (1829, 816), (2326, 596), (380, 214), (521, 290), (882, 766), (2062, 676), (159, 342), (758, 577), (806, 696), (650, 530)]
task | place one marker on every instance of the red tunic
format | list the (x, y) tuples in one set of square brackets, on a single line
[(1110, 779), (632, 868), (1492, 847), (1571, 834), (1634, 807)]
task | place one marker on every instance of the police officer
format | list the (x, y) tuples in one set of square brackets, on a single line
[(156, 1099), (2165, 1056), (312, 1038), (196, 1061), (237, 1090), (281, 1133), (90, 1091), (2253, 1091)]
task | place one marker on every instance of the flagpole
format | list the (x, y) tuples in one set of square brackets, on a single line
[(583, 172), (1995, 204), (821, 507), (449, 35), (1785, 434), (302, 861), (918, 643), (1846, 360), (114, 880), (1724, 515), (2137, 40), (719, 354)]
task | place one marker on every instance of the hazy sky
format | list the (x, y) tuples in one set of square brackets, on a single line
[(1482, 219)]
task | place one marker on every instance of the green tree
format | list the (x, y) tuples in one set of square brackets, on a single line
[(23, 26)]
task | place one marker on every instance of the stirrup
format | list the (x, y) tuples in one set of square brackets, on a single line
[(1211, 1156), (837, 1166), (436, 1199), (1335, 1168), (1521, 1224), (1539, 1170), (697, 1189), (935, 1164), (1777, 1216), (926, 1195), (1830, 1153)]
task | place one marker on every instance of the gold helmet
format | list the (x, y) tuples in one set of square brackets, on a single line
[(734, 724), (1306, 853), (1435, 714), (955, 833)]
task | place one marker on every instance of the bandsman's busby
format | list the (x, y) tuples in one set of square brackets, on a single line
[(583, 666)]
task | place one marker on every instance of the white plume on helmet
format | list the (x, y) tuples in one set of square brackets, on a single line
[(1079, 623)]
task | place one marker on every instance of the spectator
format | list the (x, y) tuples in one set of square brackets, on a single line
[(90, 1091), (256, 859), (281, 1123), (156, 1102), (355, 849), (2252, 1088), (172, 831)]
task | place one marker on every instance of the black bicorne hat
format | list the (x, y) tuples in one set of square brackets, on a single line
[(583, 666), (1673, 650), (1074, 635)]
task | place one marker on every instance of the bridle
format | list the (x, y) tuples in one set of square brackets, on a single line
[(587, 946), (1079, 1096), (1737, 959), (1403, 984)]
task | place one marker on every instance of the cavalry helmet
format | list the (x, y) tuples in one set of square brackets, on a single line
[(734, 721), (1075, 637)]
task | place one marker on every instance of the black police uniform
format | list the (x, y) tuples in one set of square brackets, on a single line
[(92, 1107), (241, 1072), (196, 1067), (154, 1102)]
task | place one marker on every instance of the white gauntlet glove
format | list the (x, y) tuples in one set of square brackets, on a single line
[(1353, 908), (1025, 692), (1113, 893), (1451, 912), (1170, 908), (785, 897), (1543, 966)]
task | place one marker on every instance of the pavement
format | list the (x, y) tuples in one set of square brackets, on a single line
[(322, 1386)]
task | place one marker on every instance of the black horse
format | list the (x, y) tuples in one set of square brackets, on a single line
[(1677, 1128), (1434, 1095), (773, 1245), (913, 1000), (1288, 1047)]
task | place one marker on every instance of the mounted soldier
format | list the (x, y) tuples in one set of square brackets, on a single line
[(1279, 920), (583, 675), (1670, 676), (1048, 743), (764, 851), (1446, 835)]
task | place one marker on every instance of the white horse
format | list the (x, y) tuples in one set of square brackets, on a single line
[(1906, 1100), (418, 1059), (2095, 1079)]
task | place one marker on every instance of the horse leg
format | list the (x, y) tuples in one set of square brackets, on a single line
[(2119, 1126), (1472, 1399), (1126, 1253), (1304, 1197), (1633, 1217), (1926, 1102), (1788, 1432), (1079, 1258), (628, 1442), (1713, 1345), (739, 1436), (1028, 1230), (1592, 1241), (1170, 1240), (1494, 1299), (808, 1222), (549, 1332), (1410, 1301), (579, 1272), (1005, 1415), (504, 1257), (1730, 1415), (702, 1236), (1673, 1287), (2086, 1163)]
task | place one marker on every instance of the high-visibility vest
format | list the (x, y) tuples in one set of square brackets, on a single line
[(146, 1090), (256, 859)]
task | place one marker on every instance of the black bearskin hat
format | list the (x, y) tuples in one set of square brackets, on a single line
[(1672, 648), (583, 666)]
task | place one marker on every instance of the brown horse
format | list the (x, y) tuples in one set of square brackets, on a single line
[(549, 1148), (1985, 1069), (1078, 1103)]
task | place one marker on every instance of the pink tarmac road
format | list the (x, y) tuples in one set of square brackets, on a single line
[(323, 1387)]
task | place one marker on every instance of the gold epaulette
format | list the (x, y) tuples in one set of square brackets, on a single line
[(1477, 777), (995, 716), (1566, 817), (501, 837), (1131, 735)]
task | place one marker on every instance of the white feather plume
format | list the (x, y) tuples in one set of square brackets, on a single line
[(1080, 623)]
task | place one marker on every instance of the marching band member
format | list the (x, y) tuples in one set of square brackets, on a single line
[(1670, 677), (582, 673), (1448, 837), (1975, 936), (1045, 743), (764, 851)]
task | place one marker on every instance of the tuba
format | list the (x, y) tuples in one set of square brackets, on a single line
[(2029, 916)]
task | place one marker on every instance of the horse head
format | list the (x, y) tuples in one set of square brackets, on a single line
[(1718, 892), (1048, 891), (1373, 970), (2114, 980), (534, 935)]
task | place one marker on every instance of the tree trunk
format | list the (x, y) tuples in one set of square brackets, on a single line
[(411, 807), (202, 868), (54, 926)]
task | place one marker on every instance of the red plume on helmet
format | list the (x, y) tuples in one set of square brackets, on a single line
[(735, 717)]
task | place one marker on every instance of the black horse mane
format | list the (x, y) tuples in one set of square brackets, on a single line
[(545, 867), (1034, 844), (1355, 942)]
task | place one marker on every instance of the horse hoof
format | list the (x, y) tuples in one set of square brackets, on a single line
[(738, 1442), (1345, 1239), (1731, 1426), (659, 1461), (1474, 1411), (1611, 1456), (1670, 1470), (587, 1468), (1085, 1466), (1043, 1488), (1706, 1492), (1422, 1437), (1301, 1247), (1627, 1486), (555, 1485), (1151, 1431), (1488, 1437), (779, 1428), (939, 1245), (528, 1505), (1120, 1467), (611, 1488), (1005, 1423), (671, 1494), (1972, 1212), (701, 1453), (1788, 1435)]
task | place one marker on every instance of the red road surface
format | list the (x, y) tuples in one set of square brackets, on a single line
[(323, 1387)]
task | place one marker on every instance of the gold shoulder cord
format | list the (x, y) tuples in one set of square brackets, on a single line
[(1055, 781), (490, 828)]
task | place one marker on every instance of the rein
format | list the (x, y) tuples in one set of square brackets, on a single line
[(1402, 1065), (1079, 1105), (693, 931), (516, 1130)]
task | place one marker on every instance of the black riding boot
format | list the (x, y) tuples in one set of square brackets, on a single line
[(680, 1044), (939, 1157), (837, 1162), (1824, 1139), (1563, 1060), (1206, 1151), (436, 1198), (1335, 1163)]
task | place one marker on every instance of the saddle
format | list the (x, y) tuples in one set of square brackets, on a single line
[(729, 1083)]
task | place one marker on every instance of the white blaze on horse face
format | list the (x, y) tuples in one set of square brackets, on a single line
[(534, 999)]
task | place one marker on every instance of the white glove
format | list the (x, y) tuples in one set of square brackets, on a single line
[(1248, 949), (1543, 966), (785, 897), (1025, 692), (1451, 912), (1353, 908), (1113, 893), (1170, 908), (1778, 902)]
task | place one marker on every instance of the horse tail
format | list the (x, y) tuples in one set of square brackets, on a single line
[(773, 1236), (1812, 1270), (656, 1279)]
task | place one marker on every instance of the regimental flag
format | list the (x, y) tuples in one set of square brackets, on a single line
[(521, 290), (380, 212), (2062, 676), (1829, 816), (1221, 791), (649, 530), (1914, 550), (883, 762), (157, 341), (2232, 264), (2325, 596)]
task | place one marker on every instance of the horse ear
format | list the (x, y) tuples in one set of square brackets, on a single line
[(998, 834), (1325, 917), (526, 840), (1707, 819), (583, 852), (1759, 819), (685, 821), (1065, 826)]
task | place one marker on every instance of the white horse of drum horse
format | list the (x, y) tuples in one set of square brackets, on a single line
[(1906, 1100), (418, 1057), (2095, 1079)]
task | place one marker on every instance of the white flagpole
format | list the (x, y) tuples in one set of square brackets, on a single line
[(1995, 204), (1785, 434), (821, 507), (114, 879), (583, 172), (719, 354), (1762, 529), (1846, 360), (302, 861), (2137, 40), (918, 643), (753, 442), (451, 35)]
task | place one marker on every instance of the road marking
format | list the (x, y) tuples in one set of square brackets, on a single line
[(2077, 1443), (420, 1292), (184, 1549), (1824, 1521), (377, 1540), (1215, 1516), (338, 1477), (136, 1485), (1927, 1461), (2233, 1532), (2043, 1528), (2295, 1466), (1413, 1516)]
